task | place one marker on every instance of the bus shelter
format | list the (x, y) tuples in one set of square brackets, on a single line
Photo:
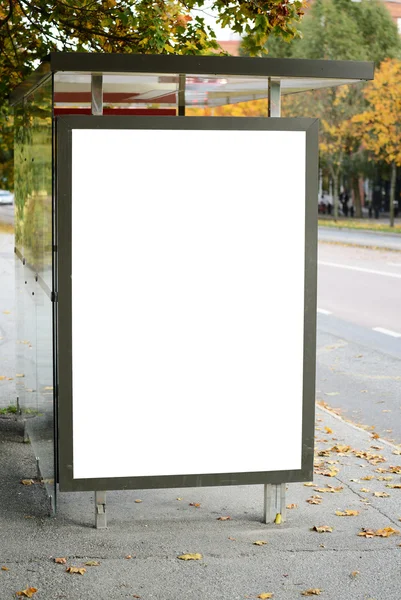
[(166, 331)]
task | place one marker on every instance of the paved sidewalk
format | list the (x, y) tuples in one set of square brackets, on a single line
[(344, 565)]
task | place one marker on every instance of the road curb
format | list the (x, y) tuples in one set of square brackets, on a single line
[(357, 428)]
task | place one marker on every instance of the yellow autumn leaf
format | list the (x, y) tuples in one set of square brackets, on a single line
[(138, 501), (265, 595), (60, 561), (322, 528), (5, 569), (354, 573), (365, 490), (6, 312), (290, 506), (92, 563), (2, 377), (28, 593), (386, 532), (260, 543), (77, 570), (381, 495), (312, 592), (228, 518), (309, 484), (27, 481), (347, 513), (190, 557), (328, 430)]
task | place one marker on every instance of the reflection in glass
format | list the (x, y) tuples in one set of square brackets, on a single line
[(34, 250)]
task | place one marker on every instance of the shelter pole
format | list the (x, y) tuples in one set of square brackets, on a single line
[(97, 94), (100, 510), (274, 98), (274, 494), (97, 109), (181, 94)]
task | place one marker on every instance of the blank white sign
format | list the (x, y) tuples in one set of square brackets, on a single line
[(187, 301)]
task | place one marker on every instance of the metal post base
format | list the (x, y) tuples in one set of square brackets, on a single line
[(274, 503), (100, 510)]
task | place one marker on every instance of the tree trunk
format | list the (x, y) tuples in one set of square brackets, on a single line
[(357, 196), (335, 196), (392, 192)]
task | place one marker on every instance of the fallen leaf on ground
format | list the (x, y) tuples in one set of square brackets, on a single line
[(135, 596), (290, 506), (330, 488), (28, 593), (260, 543), (6, 312), (322, 528), (78, 570), (367, 533), (312, 592), (266, 595), (381, 495), (394, 469), (196, 504), (60, 561), (190, 557), (395, 486), (398, 451), (385, 532), (354, 573), (368, 477), (27, 481), (2, 377), (232, 539), (128, 556), (5, 569), (92, 563), (19, 375), (328, 472), (224, 518), (314, 500), (341, 449), (179, 499), (347, 513), (375, 436), (328, 430), (138, 501), (364, 490), (309, 484), (388, 478)]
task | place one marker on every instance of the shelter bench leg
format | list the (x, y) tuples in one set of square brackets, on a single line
[(100, 510), (274, 502)]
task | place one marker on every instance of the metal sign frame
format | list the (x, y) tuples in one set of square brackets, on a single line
[(64, 128)]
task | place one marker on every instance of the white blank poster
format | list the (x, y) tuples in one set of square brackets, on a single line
[(187, 301)]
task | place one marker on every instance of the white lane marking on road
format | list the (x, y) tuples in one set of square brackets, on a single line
[(323, 311), (361, 269), (387, 332)]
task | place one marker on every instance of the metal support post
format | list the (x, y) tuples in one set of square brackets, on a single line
[(97, 94), (274, 495), (100, 510), (274, 502), (274, 98), (181, 94)]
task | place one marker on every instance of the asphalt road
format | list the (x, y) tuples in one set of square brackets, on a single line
[(359, 335), (7, 213), (362, 238)]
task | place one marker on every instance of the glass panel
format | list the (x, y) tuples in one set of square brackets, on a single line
[(33, 202)]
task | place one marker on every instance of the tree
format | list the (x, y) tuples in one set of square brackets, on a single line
[(30, 29), (340, 30), (380, 124)]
